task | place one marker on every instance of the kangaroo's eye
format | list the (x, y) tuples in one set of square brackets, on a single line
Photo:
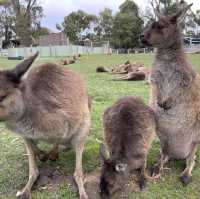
[(157, 26), (160, 26), (2, 98)]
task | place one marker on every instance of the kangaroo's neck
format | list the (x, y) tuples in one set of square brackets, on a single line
[(173, 52), (170, 54), (173, 57)]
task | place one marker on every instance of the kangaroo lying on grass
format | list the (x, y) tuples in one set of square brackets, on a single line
[(175, 93), (49, 104), (129, 129), (67, 61), (132, 76), (127, 68)]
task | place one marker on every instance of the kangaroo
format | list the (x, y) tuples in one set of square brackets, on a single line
[(67, 61), (48, 103), (129, 127), (133, 76), (102, 69), (175, 92)]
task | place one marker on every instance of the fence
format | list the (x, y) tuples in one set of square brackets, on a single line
[(62, 51), (4, 53), (56, 51), (192, 48)]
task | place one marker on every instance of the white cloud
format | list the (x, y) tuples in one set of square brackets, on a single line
[(56, 10)]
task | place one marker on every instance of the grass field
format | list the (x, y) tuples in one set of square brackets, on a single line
[(104, 91)]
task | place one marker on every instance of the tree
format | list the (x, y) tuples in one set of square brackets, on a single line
[(37, 32), (168, 7), (105, 24), (27, 15), (20, 17), (197, 17), (165, 6), (75, 23), (6, 21), (127, 26)]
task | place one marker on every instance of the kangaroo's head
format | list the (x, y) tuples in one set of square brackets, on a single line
[(114, 175), (166, 30), (11, 93)]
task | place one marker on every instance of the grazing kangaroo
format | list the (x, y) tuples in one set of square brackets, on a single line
[(175, 93), (129, 127), (49, 104)]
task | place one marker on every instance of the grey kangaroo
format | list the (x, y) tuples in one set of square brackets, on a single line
[(48, 103), (129, 127), (175, 92)]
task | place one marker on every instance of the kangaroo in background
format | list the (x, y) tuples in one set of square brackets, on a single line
[(49, 103), (175, 92)]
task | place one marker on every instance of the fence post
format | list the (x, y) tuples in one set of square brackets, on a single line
[(50, 50)]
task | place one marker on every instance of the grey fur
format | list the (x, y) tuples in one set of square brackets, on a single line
[(175, 94), (51, 104)]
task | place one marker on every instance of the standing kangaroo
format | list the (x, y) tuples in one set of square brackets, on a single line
[(49, 104), (175, 93)]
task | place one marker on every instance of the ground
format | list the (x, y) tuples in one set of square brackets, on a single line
[(56, 177)]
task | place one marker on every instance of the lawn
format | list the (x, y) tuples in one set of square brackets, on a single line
[(104, 91)]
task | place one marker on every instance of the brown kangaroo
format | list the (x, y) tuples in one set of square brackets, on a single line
[(175, 92), (129, 127), (49, 103)]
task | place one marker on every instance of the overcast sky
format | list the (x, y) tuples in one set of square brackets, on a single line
[(56, 10)]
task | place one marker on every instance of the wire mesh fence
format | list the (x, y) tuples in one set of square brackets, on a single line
[(56, 51)]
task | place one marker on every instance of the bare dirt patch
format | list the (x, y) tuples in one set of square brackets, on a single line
[(51, 177)]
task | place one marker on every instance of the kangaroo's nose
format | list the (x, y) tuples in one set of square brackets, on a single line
[(142, 36)]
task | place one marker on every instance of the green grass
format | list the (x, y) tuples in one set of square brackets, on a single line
[(104, 91)]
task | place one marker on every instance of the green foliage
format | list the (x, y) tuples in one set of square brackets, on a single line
[(104, 24), (197, 17), (6, 20), (38, 31), (21, 18), (127, 26), (122, 30), (75, 23)]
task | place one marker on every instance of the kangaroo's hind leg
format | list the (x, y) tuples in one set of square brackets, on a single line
[(33, 171), (78, 144), (186, 175)]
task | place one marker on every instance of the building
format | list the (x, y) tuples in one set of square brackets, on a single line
[(54, 39)]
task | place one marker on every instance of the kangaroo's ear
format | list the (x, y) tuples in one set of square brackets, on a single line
[(179, 17), (17, 73)]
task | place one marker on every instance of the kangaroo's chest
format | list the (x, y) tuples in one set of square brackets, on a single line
[(167, 81)]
